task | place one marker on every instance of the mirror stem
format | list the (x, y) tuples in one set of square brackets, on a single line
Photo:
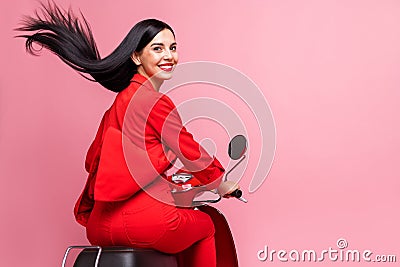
[(228, 172)]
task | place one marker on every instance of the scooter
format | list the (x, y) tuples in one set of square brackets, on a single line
[(184, 195)]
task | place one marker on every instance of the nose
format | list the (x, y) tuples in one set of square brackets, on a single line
[(167, 54)]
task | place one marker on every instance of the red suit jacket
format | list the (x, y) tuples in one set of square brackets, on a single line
[(139, 138)]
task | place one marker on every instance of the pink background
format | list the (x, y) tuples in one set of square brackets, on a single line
[(330, 72)]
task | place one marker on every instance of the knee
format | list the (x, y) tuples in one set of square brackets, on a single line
[(210, 226)]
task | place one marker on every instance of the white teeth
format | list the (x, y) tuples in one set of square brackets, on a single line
[(166, 68)]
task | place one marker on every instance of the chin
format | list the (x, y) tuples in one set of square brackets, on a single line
[(164, 76)]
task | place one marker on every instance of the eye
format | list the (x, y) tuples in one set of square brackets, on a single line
[(157, 48), (173, 48)]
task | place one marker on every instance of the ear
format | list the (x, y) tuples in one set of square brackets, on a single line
[(136, 59)]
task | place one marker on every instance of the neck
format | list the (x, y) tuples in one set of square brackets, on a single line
[(156, 83)]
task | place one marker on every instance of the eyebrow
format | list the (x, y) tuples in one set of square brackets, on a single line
[(162, 44)]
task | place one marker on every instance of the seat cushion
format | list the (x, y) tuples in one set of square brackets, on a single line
[(125, 257)]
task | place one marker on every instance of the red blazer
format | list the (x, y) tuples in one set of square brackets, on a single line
[(142, 128)]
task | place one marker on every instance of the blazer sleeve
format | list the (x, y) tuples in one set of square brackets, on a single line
[(165, 122)]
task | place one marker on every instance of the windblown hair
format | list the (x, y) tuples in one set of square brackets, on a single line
[(71, 39)]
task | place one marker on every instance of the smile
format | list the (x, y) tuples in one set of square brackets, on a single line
[(166, 67)]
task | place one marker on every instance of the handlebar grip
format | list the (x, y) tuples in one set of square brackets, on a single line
[(237, 193)]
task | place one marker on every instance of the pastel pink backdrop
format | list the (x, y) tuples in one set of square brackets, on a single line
[(330, 72)]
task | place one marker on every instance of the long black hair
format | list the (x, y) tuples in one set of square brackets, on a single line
[(71, 39)]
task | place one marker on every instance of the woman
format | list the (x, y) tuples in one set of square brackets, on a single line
[(114, 207)]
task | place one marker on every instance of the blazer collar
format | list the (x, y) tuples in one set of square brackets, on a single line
[(140, 79)]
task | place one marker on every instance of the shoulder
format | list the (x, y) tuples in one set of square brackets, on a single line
[(142, 101)]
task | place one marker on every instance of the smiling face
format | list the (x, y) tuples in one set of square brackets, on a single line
[(158, 58)]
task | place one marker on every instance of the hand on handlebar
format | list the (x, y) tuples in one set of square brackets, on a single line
[(226, 188)]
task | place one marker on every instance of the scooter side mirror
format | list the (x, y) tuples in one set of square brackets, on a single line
[(237, 147)]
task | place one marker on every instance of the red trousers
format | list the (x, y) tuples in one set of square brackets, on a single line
[(143, 222)]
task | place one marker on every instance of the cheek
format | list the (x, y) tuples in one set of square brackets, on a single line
[(150, 64), (150, 58)]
